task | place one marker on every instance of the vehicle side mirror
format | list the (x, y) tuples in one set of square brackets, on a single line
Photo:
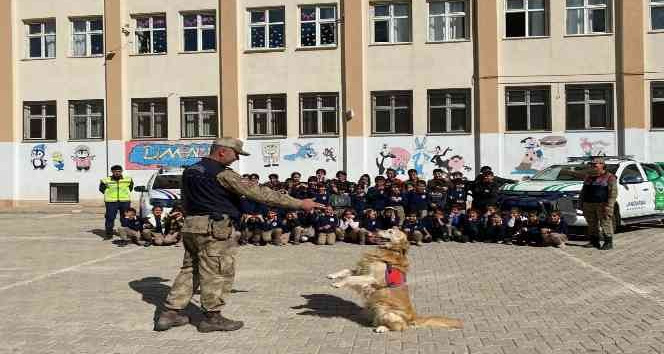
[(140, 189), (526, 178), (631, 179)]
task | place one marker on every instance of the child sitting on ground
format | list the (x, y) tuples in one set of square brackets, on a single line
[(554, 232), (389, 219), (413, 229), (513, 226), (456, 221), (418, 200), (292, 230), (472, 227), (154, 226), (437, 227), (495, 229), (349, 227), (174, 223), (327, 227), (272, 231), (131, 229), (369, 227), (533, 231)]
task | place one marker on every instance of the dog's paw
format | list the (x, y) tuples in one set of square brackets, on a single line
[(337, 285), (381, 329), (331, 276)]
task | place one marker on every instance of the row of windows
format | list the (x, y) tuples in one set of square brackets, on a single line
[(449, 111)]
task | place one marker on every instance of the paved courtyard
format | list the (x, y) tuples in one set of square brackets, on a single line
[(64, 290)]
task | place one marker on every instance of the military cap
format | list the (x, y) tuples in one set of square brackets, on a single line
[(231, 143)]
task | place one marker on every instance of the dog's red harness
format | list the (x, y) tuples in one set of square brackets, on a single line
[(394, 277)]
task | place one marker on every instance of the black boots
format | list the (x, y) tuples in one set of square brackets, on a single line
[(169, 319), (214, 321), (594, 242), (608, 243)]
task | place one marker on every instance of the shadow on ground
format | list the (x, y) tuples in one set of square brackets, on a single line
[(98, 232), (154, 292), (330, 306)]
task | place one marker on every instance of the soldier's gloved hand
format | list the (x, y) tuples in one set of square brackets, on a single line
[(607, 210), (310, 204)]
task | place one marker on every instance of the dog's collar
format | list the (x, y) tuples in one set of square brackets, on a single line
[(394, 277)]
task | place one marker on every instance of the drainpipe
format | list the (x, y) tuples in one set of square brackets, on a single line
[(344, 104)]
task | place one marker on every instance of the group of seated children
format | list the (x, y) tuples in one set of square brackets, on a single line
[(157, 229)]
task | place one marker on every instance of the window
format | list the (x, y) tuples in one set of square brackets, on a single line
[(631, 173), (199, 32), (86, 120), (87, 37), (63, 193), (525, 18), (318, 26), (447, 21), (449, 111), (657, 14), (267, 115), (151, 34), (528, 109), (589, 107), (40, 120), (149, 118), (41, 39), (318, 114), (658, 105), (266, 28), (391, 22), (392, 112), (588, 16), (199, 117)]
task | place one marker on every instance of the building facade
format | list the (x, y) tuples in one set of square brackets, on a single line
[(343, 84)]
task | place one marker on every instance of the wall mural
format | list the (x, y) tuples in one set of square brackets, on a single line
[(58, 161), (270, 152), (303, 152), (395, 157), (152, 155), (38, 157), (82, 158), (422, 158), (330, 154), (594, 148), (536, 153)]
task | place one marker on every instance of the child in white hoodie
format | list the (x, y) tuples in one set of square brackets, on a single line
[(350, 228)]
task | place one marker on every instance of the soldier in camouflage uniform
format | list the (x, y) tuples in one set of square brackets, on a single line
[(598, 197), (211, 193)]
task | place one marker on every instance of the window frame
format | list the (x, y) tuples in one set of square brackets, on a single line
[(201, 111), (55, 185), (318, 22), (88, 36), (588, 102), (199, 31), (270, 133), (27, 117), (392, 109), (587, 10), (447, 16), (266, 26), (152, 115), (448, 106), (526, 12), (151, 31), (320, 109), (42, 35), (653, 86), (391, 18), (89, 116), (652, 5), (528, 104)]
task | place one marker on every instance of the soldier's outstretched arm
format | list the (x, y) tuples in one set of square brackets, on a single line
[(232, 181)]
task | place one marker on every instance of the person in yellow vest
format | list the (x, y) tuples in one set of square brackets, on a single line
[(117, 191)]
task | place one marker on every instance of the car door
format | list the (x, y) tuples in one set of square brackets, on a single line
[(633, 191), (655, 176)]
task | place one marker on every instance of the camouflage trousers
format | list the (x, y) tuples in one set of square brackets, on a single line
[(209, 261), (597, 221)]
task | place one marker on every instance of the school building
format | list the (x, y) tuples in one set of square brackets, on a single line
[(340, 84)]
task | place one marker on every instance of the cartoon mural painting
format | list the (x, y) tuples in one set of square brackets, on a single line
[(303, 152), (594, 148), (148, 155), (38, 157), (438, 158), (82, 158), (58, 161), (534, 158), (397, 158), (420, 156), (330, 154), (270, 153)]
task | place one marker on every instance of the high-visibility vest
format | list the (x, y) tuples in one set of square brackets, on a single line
[(117, 191)]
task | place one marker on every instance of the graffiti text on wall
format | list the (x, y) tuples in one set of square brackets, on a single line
[(150, 155)]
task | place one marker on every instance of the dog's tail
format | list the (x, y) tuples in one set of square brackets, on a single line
[(437, 321)]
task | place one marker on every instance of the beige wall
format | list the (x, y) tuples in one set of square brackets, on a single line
[(7, 103)]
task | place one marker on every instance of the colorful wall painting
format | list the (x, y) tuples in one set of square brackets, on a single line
[(302, 152), (38, 157), (58, 161), (270, 152), (536, 153), (594, 148), (82, 158), (141, 155)]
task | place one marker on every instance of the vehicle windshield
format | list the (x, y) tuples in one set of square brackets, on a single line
[(571, 172), (167, 182)]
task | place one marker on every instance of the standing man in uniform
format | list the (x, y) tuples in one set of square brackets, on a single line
[(117, 191), (598, 197), (211, 193)]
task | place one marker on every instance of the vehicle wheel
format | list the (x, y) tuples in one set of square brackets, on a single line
[(617, 222)]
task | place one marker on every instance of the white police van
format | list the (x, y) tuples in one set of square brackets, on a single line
[(162, 189), (640, 191)]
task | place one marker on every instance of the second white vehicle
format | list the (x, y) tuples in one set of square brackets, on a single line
[(163, 189)]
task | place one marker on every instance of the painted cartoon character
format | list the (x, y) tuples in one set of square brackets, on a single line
[(58, 161), (400, 159), (383, 155), (270, 155), (438, 158), (304, 152), (531, 161), (82, 158), (594, 148), (330, 154), (420, 156), (38, 157), (456, 163)]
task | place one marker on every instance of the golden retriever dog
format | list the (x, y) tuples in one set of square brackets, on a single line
[(380, 278)]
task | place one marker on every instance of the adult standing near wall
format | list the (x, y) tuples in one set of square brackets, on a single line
[(117, 196), (598, 197), (211, 193)]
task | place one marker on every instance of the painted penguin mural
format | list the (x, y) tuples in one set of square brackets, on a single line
[(38, 157)]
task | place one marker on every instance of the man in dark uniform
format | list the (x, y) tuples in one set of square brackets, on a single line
[(598, 197), (211, 196)]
